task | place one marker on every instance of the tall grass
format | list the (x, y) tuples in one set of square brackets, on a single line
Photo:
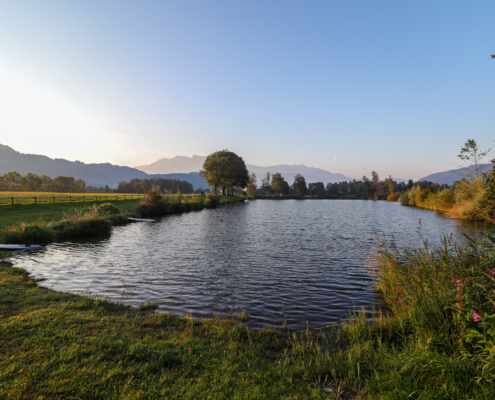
[(97, 221)]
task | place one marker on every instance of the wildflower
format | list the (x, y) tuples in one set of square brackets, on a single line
[(493, 272), (458, 281), (190, 350), (475, 316)]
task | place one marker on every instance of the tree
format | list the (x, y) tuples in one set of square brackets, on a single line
[(300, 185), (472, 155), (390, 184), (279, 185), (368, 185), (410, 184), (252, 185), (487, 203), (266, 183), (375, 178), (316, 189), (225, 169)]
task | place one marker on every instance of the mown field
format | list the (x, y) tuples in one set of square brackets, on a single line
[(53, 197)]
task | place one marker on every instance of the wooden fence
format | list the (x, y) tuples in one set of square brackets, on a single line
[(65, 199)]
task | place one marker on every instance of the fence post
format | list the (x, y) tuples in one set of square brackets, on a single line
[(54, 199), (84, 198), (70, 199), (12, 201), (34, 199)]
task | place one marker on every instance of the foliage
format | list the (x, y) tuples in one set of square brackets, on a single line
[(487, 201), (299, 185), (279, 185), (472, 154), (394, 196), (137, 185), (225, 169), (12, 181), (252, 185), (316, 189), (108, 208)]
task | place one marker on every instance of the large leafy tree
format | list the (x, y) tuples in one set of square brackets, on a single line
[(279, 185), (316, 189), (225, 169), (300, 185)]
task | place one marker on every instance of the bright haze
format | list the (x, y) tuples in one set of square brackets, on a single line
[(349, 87)]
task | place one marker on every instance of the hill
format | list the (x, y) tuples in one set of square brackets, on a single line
[(449, 177), (92, 174), (195, 163)]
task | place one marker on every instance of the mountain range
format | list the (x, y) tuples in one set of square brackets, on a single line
[(179, 167), (449, 177), (92, 174), (195, 163)]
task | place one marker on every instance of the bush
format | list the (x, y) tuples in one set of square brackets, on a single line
[(86, 227), (467, 199), (445, 199), (404, 198), (36, 233), (393, 196), (109, 208), (212, 200), (413, 195)]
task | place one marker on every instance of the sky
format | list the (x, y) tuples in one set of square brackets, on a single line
[(348, 86)]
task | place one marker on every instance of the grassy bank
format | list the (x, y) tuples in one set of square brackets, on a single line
[(437, 341), (54, 197), (44, 223)]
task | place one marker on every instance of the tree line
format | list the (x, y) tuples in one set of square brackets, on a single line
[(15, 182), (373, 187), (160, 185)]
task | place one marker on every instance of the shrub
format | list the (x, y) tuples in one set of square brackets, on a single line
[(86, 227), (413, 195), (109, 208), (393, 196), (212, 200), (404, 198), (467, 199), (445, 199), (36, 233)]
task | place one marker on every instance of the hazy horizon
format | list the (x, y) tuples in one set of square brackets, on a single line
[(346, 87)]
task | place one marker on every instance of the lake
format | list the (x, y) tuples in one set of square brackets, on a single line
[(310, 256)]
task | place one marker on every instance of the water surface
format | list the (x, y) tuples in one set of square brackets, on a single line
[(309, 255)]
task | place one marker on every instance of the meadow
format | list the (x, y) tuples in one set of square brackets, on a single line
[(54, 197)]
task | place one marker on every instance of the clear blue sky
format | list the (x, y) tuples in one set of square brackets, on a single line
[(348, 86)]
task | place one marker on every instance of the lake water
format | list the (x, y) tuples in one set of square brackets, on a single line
[(310, 256)]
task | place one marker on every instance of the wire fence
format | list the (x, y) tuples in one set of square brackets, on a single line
[(65, 199)]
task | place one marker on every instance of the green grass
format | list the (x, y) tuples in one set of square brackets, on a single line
[(49, 212), (53, 197)]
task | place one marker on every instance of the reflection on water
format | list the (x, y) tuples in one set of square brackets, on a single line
[(308, 255)]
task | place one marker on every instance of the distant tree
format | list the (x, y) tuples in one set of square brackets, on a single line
[(316, 189), (410, 184), (279, 185), (252, 185), (266, 184), (225, 169), (107, 188), (375, 178), (390, 184), (300, 185), (472, 154), (368, 185)]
